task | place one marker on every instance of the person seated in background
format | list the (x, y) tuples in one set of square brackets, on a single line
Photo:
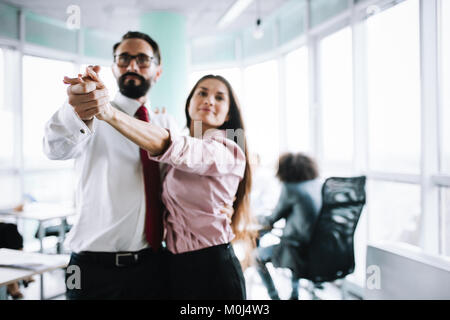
[(299, 204)]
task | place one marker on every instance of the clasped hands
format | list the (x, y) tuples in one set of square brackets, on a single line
[(88, 96)]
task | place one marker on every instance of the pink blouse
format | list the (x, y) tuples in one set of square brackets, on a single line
[(202, 175)]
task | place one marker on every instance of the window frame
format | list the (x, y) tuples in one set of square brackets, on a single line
[(429, 179)]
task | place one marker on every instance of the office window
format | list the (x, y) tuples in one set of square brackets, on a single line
[(213, 49), (337, 102), (232, 75), (445, 58), (394, 212), (48, 32), (43, 93), (394, 89), (253, 47), (6, 119), (292, 21), (107, 76), (9, 21), (322, 10), (9, 190), (297, 101), (261, 109), (445, 204), (51, 185), (110, 81), (2, 79)]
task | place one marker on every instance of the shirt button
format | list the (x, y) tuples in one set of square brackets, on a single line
[(82, 131)]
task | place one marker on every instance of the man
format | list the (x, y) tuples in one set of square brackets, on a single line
[(108, 241), (116, 242)]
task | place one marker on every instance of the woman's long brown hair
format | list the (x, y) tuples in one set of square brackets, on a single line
[(242, 217)]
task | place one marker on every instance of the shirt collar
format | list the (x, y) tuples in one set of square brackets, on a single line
[(130, 106)]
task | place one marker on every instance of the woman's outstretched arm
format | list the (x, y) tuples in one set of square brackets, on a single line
[(146, 135)]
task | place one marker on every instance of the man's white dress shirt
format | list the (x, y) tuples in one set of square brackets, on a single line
[(110, 194)]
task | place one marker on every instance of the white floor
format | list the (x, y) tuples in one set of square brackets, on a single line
[(281, 278), (54, 282), (54, 285)]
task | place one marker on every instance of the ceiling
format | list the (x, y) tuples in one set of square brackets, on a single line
[(119, 16)]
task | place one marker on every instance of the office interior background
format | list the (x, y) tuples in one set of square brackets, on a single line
[(361, 85)]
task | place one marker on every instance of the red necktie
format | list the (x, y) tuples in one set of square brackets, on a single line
[(152, 183)]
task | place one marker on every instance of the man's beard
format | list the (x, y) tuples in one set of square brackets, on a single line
[(130, 89)]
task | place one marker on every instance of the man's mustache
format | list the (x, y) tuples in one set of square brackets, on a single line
[(141, 78)]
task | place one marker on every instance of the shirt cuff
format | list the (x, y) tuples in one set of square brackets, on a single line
[(75, 125)]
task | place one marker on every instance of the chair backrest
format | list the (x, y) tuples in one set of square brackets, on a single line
[(330, 253)]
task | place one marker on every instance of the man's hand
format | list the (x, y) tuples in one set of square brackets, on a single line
[(156, 110), (228, 210), (89, 96)]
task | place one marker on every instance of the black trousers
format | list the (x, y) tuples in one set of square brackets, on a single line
[(102, 279), (212, 273), (10, 237)]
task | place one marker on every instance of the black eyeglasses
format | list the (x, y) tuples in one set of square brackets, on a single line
[(142, 60)]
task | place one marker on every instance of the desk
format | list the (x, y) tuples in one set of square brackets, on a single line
[(37, 263), (42, 212), (10, 275)]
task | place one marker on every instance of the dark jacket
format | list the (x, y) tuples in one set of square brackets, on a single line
[(299, 204), (10, 237)]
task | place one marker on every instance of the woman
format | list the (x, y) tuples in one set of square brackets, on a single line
[(299, 203), (205, 170)]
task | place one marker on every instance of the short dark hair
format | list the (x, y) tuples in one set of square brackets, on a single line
[(143, 36), (296, 167)]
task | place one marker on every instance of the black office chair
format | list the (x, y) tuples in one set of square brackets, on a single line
[(330, 255)]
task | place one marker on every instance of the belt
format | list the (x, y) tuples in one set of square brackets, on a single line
[(114, 259)]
